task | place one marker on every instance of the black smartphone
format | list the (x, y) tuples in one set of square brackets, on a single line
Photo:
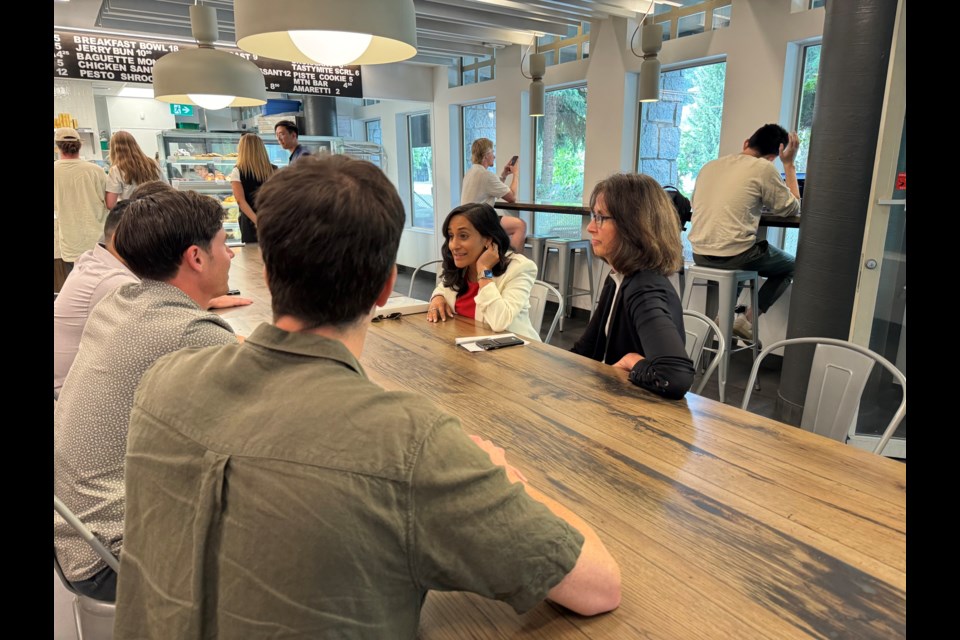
[(513, 160), (499, 343), (233, 292)]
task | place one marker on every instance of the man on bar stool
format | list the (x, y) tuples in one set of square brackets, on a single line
[(316, 503), (730, 195), (479, 185)]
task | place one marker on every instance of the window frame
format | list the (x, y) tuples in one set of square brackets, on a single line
[(410, 167)]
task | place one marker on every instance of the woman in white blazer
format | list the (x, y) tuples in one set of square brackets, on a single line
[(482, 277)]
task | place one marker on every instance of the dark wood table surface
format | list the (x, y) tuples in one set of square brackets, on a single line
[(792, 222), (725, 524)]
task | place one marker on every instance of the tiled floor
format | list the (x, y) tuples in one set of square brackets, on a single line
[(763, 401)]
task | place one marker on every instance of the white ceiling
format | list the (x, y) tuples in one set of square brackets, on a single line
[(445, 28)]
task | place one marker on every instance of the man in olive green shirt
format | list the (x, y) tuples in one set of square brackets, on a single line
[(273, 490)]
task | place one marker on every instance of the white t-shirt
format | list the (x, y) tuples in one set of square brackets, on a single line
[(116, 184), (480, 185), (234, 175)]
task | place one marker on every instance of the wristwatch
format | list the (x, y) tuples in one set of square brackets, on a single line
[(486, 274)]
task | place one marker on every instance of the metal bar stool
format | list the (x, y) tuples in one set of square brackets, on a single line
[(726, 281), (537, 244), (567, 249)]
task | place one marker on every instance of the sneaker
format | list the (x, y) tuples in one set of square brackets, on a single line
[(742, 328)]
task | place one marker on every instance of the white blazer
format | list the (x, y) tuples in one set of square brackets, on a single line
[(505, 305)]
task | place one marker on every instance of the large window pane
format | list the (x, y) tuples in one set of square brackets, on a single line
[(804, 126), (689, 25), (479, 121), (421, 170), (560, 149), (681, 132), (374, 133)]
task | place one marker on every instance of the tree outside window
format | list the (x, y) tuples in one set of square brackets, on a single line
[(560, 153), (479, 121), (681, 133)]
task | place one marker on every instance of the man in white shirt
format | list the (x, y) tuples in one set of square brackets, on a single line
[(78, 201), (480, 185), (730, 194)]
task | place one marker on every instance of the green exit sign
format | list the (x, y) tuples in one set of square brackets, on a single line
[(181, 109)]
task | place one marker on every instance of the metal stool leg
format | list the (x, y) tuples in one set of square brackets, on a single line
[(726, 301), (593, 295), (565, 280), (754, 301)]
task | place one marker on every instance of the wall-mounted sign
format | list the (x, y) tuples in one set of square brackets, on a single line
[(181, 109), (93, 56)]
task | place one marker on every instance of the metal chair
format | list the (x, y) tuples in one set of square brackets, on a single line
[(838, 375), (94, 618), (413, 278), (700, 329), (538, 304)]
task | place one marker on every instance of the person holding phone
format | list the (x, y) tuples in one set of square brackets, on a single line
[(482, 277), (638, 324), (480, 185)]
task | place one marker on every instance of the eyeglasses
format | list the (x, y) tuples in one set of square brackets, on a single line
[(391, 316), (598, 219)]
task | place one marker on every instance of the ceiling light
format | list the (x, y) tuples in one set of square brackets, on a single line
[(204, 76), (538, 66), (651, 39), (327, 32)]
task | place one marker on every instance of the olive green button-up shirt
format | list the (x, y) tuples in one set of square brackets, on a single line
[(274, 491)]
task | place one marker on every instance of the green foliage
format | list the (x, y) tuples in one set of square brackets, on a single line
[(700, 121), (422, 164)]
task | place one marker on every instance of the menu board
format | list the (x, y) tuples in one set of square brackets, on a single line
[(98, 56)]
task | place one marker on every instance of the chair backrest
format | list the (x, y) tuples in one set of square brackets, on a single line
[(93, 618), (838, 376), (700, 329), (538, 304), (413, 278)]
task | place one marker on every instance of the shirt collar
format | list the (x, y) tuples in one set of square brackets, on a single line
[(304, 344)]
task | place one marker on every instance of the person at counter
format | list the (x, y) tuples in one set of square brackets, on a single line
[(129, 167), (729, 196), (320, 504), (638, 324), (288, 135), (483, 278), (175, 243), (78, 205), (252, 170), (479, 185)]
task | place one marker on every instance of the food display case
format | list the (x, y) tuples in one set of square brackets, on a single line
[(202, 162)]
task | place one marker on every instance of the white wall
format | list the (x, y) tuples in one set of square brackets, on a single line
[(143, 118), (76, 98)]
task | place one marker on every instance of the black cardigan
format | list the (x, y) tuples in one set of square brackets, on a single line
[(648, 320)]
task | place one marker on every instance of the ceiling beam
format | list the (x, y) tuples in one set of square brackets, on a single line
[(479, 34), (493, 15), (460, 47)]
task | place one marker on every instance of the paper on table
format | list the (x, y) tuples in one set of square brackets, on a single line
[(470, 342)]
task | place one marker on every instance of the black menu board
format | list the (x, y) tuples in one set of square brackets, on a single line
[(98, 56)]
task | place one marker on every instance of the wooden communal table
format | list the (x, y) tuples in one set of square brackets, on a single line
[(792, 222), (725, 524)]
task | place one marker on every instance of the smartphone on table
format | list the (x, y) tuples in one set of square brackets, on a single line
[(499, 343)]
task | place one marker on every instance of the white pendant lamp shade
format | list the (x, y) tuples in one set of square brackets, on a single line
[(538, 67), (207, 77), (327, 32), (651, 40)]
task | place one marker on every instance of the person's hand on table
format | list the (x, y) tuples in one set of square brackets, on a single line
[(498, 457), (225, 302), (439, 310), (628, 362), (789, 153)]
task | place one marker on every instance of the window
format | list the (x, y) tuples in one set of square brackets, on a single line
[(478, 121), (373, 133), (681, 132), (575, 45), (421, 170), (690, 17), (473, 70), (804, 123), (560, 148)]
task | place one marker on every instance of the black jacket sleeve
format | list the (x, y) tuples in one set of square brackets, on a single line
[(665, 370)]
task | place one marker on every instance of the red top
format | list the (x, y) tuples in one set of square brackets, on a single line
[(466, 304)]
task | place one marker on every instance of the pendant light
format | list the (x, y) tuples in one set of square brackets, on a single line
[(538, 66), (205, 76), (327, 32), (651, 39)]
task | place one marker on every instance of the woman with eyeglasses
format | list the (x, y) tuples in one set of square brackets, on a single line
[(482, 277), (638, 324)]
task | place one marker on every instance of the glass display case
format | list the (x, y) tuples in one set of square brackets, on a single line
[(202, 162)]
